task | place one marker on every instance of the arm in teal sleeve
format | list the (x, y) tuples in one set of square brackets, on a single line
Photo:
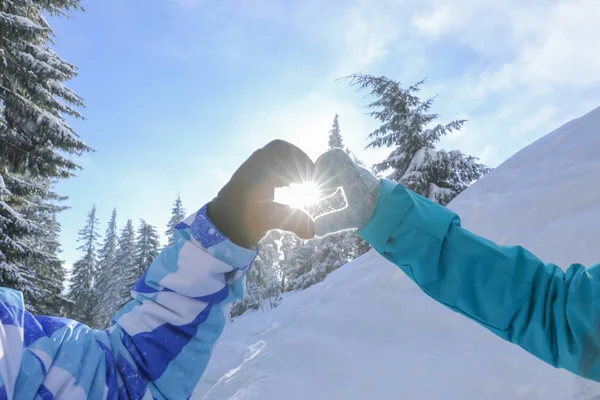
[(554, 315)]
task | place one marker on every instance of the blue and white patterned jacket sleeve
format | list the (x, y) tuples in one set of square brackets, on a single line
[(160, 342)]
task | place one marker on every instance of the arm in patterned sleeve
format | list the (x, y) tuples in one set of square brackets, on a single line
[(160, 343)]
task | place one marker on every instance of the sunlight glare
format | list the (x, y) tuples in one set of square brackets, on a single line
[(298, 195)]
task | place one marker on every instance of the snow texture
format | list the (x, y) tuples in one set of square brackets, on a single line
[(546, 197), (367, 332), (18, 19)]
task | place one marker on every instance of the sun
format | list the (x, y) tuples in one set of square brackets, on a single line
[(298, 195)]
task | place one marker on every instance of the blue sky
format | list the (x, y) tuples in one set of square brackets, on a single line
[(178, 93)]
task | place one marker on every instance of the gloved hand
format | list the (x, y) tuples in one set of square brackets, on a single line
[(336, 169), (244, 209)]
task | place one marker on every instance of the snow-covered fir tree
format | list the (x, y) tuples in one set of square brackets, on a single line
[(177, 215), (313, 260), (45, 264), (266, 280), (253, 291), (84, 272), (302, 270), (107, 274), (407, 126), (335, 137), (125, 267), (15, 230), (146, 249), (263, 291), (287, 247), (36, 142)]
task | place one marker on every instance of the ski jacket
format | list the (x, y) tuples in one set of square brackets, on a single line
[(159, 343), (553, 314)]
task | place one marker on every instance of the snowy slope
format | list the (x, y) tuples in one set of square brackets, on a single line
[(546, 197), (367, 332)]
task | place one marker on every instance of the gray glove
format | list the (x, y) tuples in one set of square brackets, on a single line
[(336, 169)]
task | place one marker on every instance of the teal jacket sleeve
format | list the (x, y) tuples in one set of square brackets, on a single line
[(553, 314)]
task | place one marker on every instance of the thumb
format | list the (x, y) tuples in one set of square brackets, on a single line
[(334, 221), (296, 221)]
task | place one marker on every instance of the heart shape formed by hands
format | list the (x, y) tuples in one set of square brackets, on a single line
[(245, 209)]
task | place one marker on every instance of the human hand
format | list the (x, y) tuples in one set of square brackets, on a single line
[(244, 209), (335, 169)]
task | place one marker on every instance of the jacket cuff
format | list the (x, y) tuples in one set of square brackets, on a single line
[(378, 231), (397, 206), (214, 242)]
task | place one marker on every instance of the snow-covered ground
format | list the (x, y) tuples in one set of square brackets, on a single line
[(367, 332)]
